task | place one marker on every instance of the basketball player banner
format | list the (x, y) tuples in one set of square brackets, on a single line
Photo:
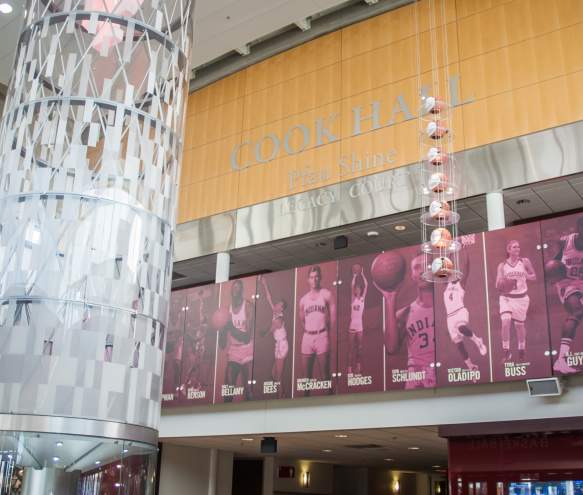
[(274, 337), (372, 323), (360, 328)]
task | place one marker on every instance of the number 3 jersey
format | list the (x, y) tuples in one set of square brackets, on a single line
[(420, 335)]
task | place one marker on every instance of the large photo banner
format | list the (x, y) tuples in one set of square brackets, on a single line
[(518, 312), (563, 254), (315, 330), (199, 348), (174, 342), (409, 318), (274, 334), (360, 328), (235, 323), (461, 320)]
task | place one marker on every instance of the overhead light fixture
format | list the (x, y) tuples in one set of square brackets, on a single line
[(118, 466), (5, 8), (97, 462), (388, 459), (59, 444), (246, 439), (414, 448), (125, 451), (371, 2), (243, 50), (400, 228), (341, 435), (436, 466), (372, 233), (521, 202), (327, 450), (304, 24), (56, 459)]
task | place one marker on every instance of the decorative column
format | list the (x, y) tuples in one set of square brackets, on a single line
[(90, 148)]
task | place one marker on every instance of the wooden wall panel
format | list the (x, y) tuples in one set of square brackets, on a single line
[(294, 96), (300, 60), (519, 67)]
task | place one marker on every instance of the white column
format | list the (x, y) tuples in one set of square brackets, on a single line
[(213, 463), (268, 475), (495, 210), (223, 267)]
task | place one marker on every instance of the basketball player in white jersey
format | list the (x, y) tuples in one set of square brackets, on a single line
[(238, 337), (514, 302), (570, 293), (318, 318), (355, 330), (416, 323), (277, 329), (458, 317)]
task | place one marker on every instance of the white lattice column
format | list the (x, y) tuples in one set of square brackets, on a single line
[(90, 147)]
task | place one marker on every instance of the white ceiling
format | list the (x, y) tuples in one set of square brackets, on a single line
[(221, 26), (392, 443)]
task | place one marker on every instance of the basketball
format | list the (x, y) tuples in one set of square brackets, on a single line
[(440, 238), (438, 182), (356, 269), (220, 318), (506, 285), (439, 210), (388, 270), (436, 156), (555, 270), (441, 267)]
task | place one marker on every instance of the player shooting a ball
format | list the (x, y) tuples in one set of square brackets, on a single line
[(359, 288), (414, 322), (511, 282), (567, 269)]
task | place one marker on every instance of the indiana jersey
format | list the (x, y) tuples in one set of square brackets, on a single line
[(453, 297), (356, 313), (516, 272), (420, 335), (315, 311), (572, 257)]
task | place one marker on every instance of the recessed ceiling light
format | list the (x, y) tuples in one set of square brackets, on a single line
[(56, 459), (521, 202), (400, 228), (118, 466), (125, 451), (372, 233), (118, 484), (388, 459), (436, 466), (246, 439), (97, 462), (327, 450), (413, 448), (59, 444), (341, 435), (5, 8)]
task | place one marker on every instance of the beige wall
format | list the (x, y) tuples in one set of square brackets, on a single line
[(519, 69)]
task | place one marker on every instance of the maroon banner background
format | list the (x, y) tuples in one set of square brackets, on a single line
[(553, 231), (308, 347), (370, 376), (200, 343), (451, 367), (273, 359), (174, 345), (412, 364), (233, 381), (535, 363)]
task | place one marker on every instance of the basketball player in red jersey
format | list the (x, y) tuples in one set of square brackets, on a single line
[(514, 302), (318, 317), (570, 291), (416, 323), (238, 336)]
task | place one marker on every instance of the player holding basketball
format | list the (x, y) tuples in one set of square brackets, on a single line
[(511, 281), (237, 336), (317, 317), (416, 323), (570, 291), (458, 317), (355, 330), (279, 333)]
